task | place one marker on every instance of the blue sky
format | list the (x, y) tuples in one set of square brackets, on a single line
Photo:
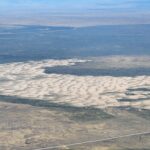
[(11, 9), (77, 4)]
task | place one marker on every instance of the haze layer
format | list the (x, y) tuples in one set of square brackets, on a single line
[(74, 12)]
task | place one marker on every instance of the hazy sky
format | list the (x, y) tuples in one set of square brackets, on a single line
[(74, 12)]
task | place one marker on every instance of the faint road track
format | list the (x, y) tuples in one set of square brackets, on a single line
[(94, 141)]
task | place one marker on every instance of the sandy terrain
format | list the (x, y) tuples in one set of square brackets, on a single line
[(39, 110), (28, 80)]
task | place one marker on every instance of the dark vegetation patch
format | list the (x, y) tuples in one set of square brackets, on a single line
[(144, 113), (134, 91), (73, 112), (140, 89), (90, 115), (132, 100), (129, 93), (91, 71)]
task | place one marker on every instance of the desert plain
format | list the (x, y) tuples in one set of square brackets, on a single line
[(57, 103)]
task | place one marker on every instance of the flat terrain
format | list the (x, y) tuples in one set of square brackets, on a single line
[(26, 127)]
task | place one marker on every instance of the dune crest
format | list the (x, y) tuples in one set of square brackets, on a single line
[(28, 80)]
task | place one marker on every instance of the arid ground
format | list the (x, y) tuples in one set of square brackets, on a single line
[(50, 103)]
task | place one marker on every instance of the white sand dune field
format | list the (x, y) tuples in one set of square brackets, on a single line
[(28, 80)]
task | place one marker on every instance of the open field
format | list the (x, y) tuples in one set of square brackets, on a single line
[(29, 127)]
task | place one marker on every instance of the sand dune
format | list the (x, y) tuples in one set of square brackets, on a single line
[(28, 80)]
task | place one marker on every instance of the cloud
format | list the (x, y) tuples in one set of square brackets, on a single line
[(32, 10)]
